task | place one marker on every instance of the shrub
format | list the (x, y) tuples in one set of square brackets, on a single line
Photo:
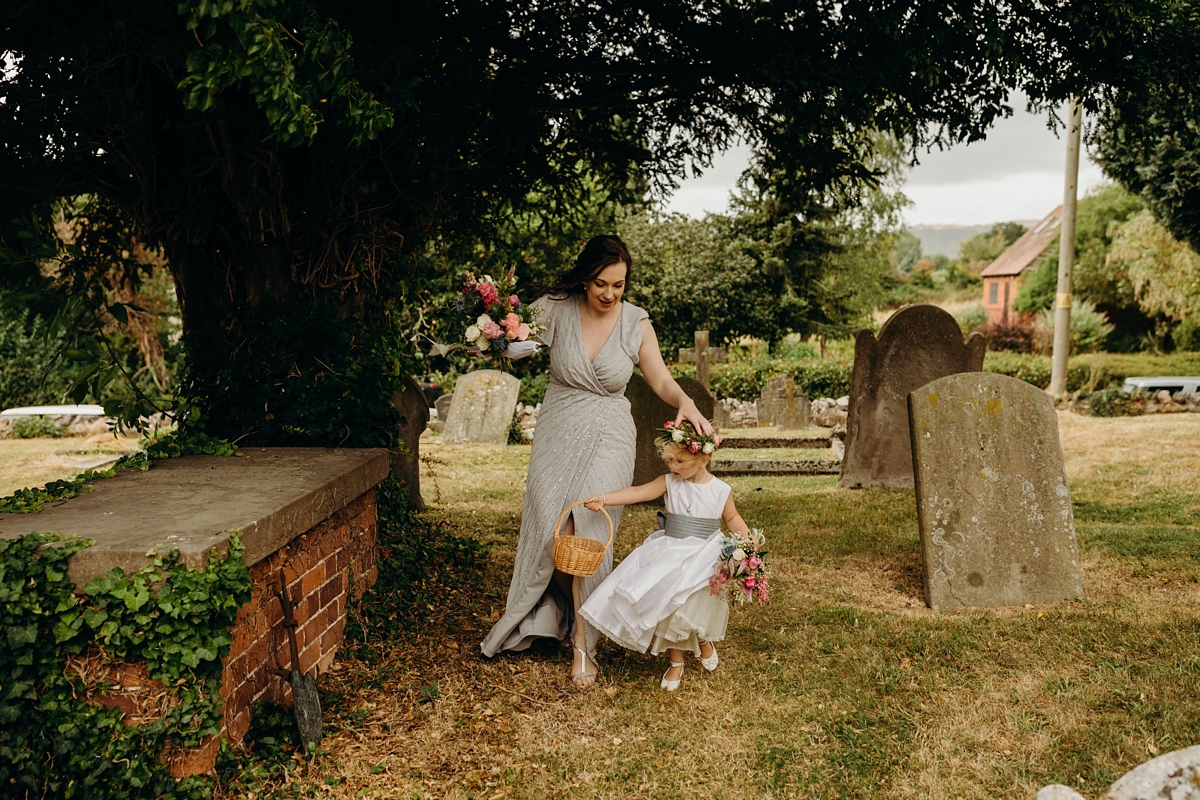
[(1016, 335), (824, 378), (973, 318), (27, 346), (533, 388), (1112, 402), (35, 428), (1089, 327), (1187, 335)]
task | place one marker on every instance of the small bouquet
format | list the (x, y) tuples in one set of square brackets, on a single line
[(491, 320), (742, 573)]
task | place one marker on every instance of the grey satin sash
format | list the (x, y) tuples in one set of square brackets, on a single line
[(680, 526)]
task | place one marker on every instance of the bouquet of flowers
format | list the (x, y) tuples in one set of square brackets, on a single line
[(742, 573), (490, 319)]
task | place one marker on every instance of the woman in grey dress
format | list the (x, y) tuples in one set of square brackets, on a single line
[(584, 445)]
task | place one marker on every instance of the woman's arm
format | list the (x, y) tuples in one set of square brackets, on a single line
[(660, 380), (628, 495), (733, 520)]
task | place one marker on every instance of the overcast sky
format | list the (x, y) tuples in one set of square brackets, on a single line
[(1015, 174)]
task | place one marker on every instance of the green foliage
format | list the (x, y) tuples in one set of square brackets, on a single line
[(297, 372), (972, 318), (172, 617), (533, 388), (1094, 277), (1112, 402), (1089, 327), (418, 563), (35, 428), (251, 45), (976, 252), (27, 348), (26, 501), (516, 434), (745, 380), (1147, 136), (1094, 369), (1187, 335)]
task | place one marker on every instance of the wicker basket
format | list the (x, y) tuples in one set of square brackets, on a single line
[(579, 555)]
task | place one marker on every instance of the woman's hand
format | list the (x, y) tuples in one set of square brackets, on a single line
[(594, 503), (689, 412)]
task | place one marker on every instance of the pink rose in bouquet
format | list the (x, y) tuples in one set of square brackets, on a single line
[(741, 569), (514, 301), (492, 331)]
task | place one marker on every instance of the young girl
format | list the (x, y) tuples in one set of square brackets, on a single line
[(658, 598)]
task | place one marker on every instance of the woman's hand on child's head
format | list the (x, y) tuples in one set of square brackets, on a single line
[(689, 412), (594, 503)]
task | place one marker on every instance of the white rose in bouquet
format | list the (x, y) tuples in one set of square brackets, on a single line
[(472, 333), (739, 555), (708, 448), (677, 435), (482, 344), (484, 319)]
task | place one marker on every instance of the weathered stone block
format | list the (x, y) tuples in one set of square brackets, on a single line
[(993, 505), (649, 414), (483, 407), (916, 345)]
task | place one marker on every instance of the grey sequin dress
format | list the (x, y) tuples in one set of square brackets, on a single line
[(584, 445)]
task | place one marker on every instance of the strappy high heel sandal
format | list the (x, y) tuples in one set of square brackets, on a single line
[(580, 680), (710, 663), (671, 686)]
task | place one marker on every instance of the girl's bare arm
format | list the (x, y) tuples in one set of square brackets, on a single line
[(628, 495), (733, 520)]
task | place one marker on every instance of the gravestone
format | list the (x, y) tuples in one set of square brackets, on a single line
[(405, 459), (649, 414), (782, 406), (442, 406), (992, 499), (918, 344), (701, 355), (483, 407)]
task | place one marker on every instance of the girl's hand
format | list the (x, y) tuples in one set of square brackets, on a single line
[(689, 412), (595, 503)]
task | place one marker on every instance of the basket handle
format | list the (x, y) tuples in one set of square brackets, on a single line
[(567, 510)]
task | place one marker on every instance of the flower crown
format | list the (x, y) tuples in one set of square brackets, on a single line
[(684, 434)]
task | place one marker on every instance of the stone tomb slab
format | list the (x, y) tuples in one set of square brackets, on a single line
[(194, 503), (483, 407), (649, 414), (993, 505), (916, 345)]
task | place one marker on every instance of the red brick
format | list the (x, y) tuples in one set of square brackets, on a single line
[(198, 760)]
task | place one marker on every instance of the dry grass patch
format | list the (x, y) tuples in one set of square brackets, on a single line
[(28, 463)]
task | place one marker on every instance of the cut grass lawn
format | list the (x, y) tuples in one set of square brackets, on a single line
[(844, 686)]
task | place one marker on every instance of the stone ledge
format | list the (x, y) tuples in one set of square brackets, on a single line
[(769, 442), (194, 503), (782, 467)]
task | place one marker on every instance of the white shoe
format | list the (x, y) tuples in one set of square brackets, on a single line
[(671, 686), (583, 678), (710, 663)]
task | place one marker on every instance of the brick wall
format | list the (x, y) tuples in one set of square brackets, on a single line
[(324, 568)]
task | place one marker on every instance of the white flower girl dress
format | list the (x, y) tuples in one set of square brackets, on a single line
[(658, 596)]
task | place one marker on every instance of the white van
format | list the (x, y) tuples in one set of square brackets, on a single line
[(1172, 384)]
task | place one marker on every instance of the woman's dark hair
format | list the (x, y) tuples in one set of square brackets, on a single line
[(598, 253)]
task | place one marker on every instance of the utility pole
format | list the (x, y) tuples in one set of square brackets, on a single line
[(1066, 257)]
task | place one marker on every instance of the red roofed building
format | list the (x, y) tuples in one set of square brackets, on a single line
[(1002, 278)]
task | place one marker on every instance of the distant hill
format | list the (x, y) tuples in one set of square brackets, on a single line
[(944, 239)]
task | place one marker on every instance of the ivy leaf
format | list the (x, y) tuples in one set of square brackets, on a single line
[(22, 634), (120, 314)]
